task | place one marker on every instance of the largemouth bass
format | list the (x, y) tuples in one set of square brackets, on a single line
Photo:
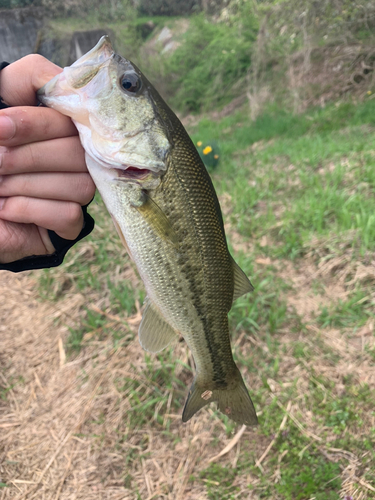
[(167, 215)]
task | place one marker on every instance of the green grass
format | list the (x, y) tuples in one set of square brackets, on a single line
[(219, 481), (353, 312), (315, 477)]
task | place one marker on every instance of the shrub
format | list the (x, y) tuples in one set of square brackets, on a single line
[(209, 67)]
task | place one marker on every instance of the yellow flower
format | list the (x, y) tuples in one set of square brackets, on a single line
[(199, 144), (207, 150), (216, 157), (369, 92)]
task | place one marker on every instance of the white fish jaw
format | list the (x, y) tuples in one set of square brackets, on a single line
[(124, 164)]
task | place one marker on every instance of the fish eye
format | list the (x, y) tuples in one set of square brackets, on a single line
[(130, 82)]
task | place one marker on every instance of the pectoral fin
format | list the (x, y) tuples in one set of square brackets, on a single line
[(154, 332), (156, 218), (242, 283)]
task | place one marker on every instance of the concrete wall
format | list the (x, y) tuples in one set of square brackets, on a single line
[(25, 31), (19, 30), (65, 50)]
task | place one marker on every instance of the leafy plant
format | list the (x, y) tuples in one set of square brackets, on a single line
[(208, 68)]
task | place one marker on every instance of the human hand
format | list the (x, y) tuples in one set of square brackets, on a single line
[(43, 175)]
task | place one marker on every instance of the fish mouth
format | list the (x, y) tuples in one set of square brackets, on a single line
[(133, 173), (125, 172)]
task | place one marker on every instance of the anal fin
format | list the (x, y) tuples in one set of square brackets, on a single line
[(154, 332)]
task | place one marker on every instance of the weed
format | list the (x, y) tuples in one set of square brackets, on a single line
[(353, 312), (310, 477), (339, 414), (219, 482)]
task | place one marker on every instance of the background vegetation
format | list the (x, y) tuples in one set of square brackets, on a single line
[(284, 89)]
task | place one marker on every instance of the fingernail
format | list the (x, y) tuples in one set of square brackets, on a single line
[(2, 201), (7, 128)]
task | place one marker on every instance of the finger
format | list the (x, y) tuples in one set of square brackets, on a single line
[(20, 80), (76, 187), (63, 217), (23, 125), (22, 240), (56, 155)]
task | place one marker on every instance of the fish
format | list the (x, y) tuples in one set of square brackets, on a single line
[(167, 214)]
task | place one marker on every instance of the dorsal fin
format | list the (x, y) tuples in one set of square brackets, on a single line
[(242, 283)]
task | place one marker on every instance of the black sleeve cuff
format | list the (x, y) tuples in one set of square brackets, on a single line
[(2, 103), (61, 245)]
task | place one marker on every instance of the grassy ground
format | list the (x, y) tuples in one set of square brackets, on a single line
[(297, 193)]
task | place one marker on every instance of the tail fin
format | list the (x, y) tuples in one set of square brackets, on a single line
[(234, 402)]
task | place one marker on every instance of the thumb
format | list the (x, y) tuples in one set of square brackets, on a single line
[(20, 80), (18, 241)]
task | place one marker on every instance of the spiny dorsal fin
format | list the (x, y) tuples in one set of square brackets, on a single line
[(242, 284), (154, 332), (156, 218)]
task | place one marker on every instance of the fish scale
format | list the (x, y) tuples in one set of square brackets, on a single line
[(167, 214)]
